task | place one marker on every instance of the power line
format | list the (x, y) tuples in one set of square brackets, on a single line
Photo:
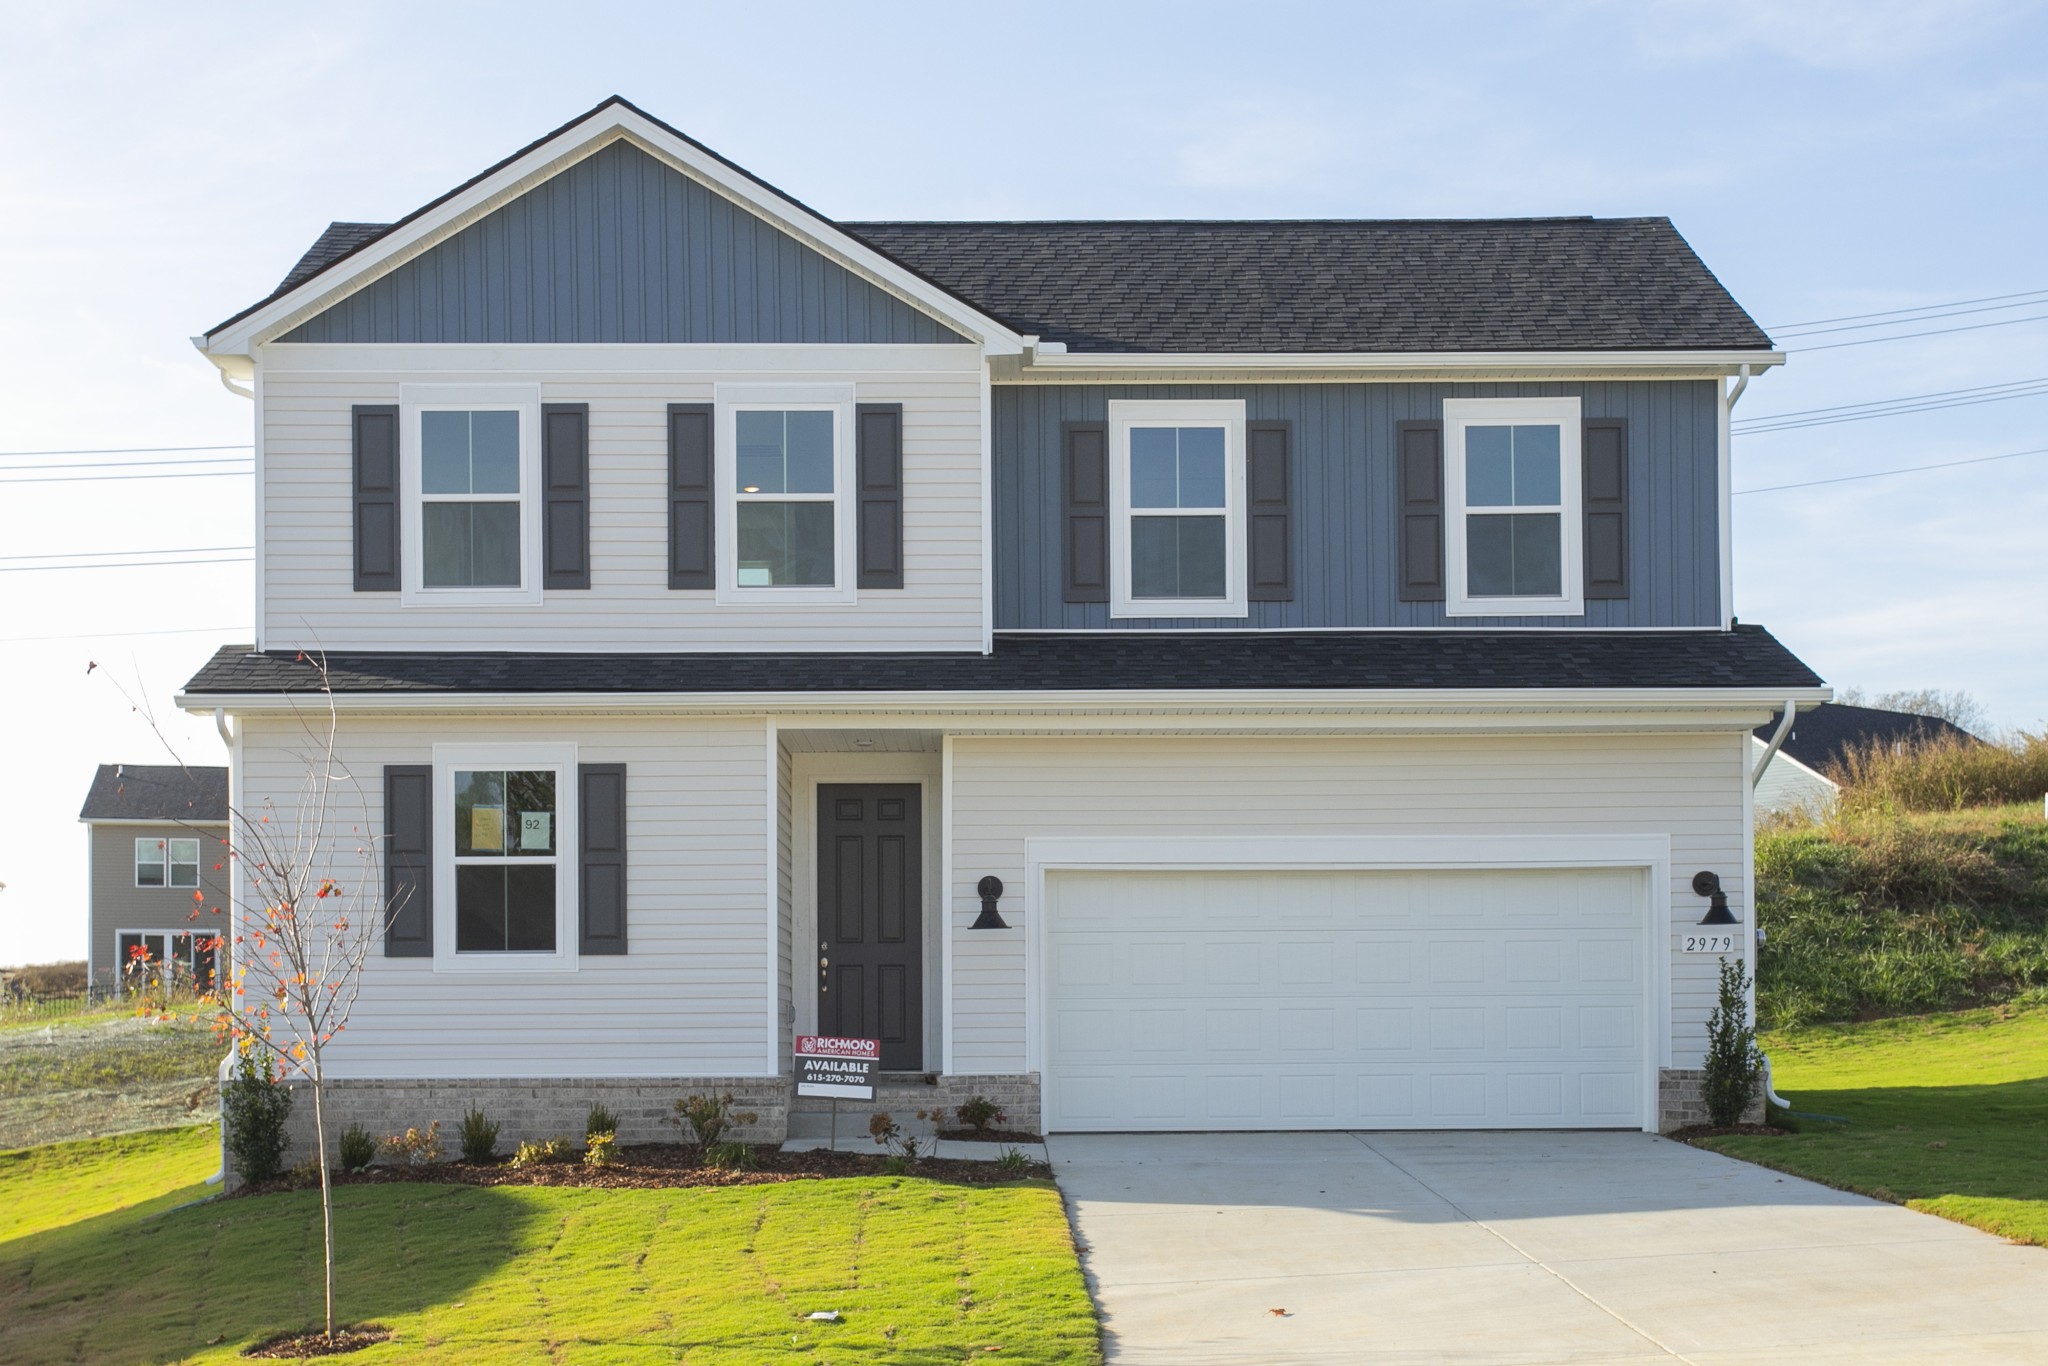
[(125, 635), (132, 564), (103, 554), (134, 450), (110, 478), (242, 460), (1936, 332), (1759, 426), (1895, 312), (1903, 398), (1880, 474), (1924, 317)]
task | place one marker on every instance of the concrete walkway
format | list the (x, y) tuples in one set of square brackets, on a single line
[(1540, 1247)]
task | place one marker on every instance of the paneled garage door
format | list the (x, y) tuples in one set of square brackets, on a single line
[(1318, 1000)]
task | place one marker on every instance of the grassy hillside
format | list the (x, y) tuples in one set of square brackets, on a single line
[(1887, 911)]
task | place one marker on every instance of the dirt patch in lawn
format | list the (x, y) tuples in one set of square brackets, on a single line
[(989, 1136), (1694, 1132), (656, 1166)]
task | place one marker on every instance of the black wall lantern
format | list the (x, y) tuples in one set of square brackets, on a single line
[(990, 890), (1709, 885)]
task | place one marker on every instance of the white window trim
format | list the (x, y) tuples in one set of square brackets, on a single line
[(560, 758), (167, 885), (837, 399), (1125, 414), (415, 399), (189, 964), (1460, 413)]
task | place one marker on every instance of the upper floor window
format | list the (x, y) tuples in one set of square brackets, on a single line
[(471, 532), (784, 468), (1177, 508), (166, 862), (1513, 531)]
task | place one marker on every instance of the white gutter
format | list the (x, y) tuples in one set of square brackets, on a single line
[(1777, 740), (1044, 358)]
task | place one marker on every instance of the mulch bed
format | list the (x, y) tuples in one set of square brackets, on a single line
[(298, 1346), (1695, 1131), (989, 1136), (656, 1166)]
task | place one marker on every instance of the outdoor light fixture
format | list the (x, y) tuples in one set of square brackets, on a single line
[(990, 890), (1709, 885)]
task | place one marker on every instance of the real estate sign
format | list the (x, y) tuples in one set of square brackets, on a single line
[(827, 1066)]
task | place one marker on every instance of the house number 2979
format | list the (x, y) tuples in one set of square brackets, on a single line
[(1721, 941)]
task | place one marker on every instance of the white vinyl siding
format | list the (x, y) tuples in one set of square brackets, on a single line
[(687, 1000), (1006, 791), (1789, 786), (306, 518)]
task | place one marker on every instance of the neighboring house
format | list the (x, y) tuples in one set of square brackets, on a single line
[(154, 843), (1797, 779), (1320, 629)]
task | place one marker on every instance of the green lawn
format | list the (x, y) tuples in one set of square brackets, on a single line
[(1948, 1113), (923, 1272)]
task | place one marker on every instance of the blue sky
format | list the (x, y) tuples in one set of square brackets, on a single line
[(162, 168)]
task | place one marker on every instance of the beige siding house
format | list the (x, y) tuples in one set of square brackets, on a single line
[(1146, 684), (156, 883)]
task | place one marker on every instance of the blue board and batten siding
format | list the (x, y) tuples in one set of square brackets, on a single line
[(622, 248), (1345, 504)]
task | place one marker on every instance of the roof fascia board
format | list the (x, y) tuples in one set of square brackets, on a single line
[(1094, 366), (550, 158), (1437, 702), (171, 821)]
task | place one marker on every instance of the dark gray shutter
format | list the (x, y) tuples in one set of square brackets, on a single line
[(878, 463), (374, 433), (1603, 456), (1419, 450), (1269, 528), (409, 860), (691, 513), (1084, 490), (601, 867), (565, 487)]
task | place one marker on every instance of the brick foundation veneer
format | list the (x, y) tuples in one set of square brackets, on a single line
[(1680, 1103), (532, 1108)]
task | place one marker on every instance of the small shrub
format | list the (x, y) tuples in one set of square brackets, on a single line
[(979, 1113), (254, 1107), (357, 1148), (600, 1121), (415, 1147), (730, 1155), (1734, 1071), (896, 1166), (902, 1146), (478, 1136), (600, 1149), (1012, 1160), (546, 1152), (708, 1117)]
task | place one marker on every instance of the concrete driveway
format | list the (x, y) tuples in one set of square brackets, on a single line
[(1539, 1247)]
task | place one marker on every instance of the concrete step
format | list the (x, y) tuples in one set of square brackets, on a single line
[(853, 1124)]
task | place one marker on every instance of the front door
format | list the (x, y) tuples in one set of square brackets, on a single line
[(870, 935)]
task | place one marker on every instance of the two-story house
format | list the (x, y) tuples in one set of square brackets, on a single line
[(1162, 675)]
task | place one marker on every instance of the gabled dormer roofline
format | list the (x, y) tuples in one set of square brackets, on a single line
[(231, 344)]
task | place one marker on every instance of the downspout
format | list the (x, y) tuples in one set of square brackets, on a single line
[(224, 1073), (1777, 742), (1771, 1095)]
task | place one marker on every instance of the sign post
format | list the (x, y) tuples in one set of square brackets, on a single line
[(835, 1067)]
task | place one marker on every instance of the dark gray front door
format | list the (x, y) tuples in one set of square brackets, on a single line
[(870, 935)]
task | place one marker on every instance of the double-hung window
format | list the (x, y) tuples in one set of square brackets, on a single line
[(505, 829), (169, 862), (1514, 535), (471, 530), (785, 511), (1177, 498)]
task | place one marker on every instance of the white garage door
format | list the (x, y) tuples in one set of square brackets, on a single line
[(1376, 1000)]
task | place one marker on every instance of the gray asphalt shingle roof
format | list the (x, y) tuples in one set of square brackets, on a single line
[(157, 792), (1747, 657), (1334, 285), (1823, 737)]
